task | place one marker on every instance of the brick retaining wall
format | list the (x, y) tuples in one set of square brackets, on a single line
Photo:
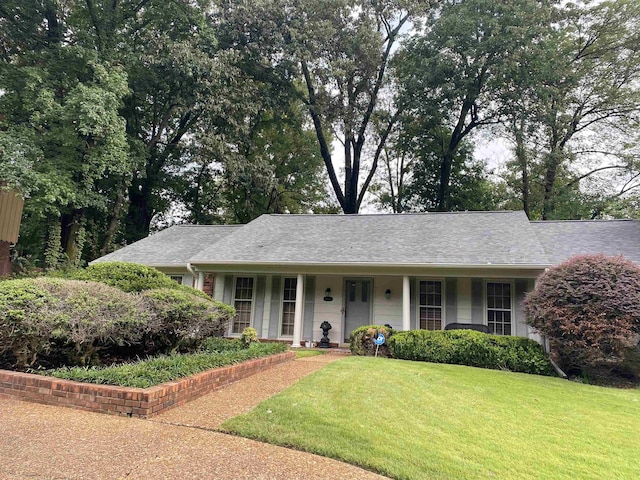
[(128, 401)]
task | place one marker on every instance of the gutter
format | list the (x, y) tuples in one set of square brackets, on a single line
[(371, 264)]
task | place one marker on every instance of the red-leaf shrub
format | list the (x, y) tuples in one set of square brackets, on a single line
[(589, 309)]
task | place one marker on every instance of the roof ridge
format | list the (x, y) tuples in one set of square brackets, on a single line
[(599, 220), (380, 214)]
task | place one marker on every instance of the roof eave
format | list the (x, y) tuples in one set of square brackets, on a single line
[(507, 266)]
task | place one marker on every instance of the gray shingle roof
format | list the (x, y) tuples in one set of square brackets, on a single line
[(463, 238), (172, 246), (564, 239)]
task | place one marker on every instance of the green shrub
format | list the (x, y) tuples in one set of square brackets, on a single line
[(66, 320), (219, 344), (361, 340), (26, 327), (475, 349), (128, 277), (146, 373), (249, 336), (93, 317), (185, 320)]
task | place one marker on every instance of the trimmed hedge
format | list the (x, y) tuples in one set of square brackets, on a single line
[(474, 349), (66, 319), (361, 340), (184, 320), (128, 277), (147, 373)]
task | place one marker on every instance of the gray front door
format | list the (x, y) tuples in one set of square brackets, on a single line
[(357, 305)]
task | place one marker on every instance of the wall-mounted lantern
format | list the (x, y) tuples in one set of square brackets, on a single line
[(327, 295), (387, 293)]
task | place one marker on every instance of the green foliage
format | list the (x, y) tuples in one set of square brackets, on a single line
[(589, 309), (475, 349), (220, 345), (91, 317), (249, 336), (66, 321), (128, 277), (185, 320), (361, 340), (24, 331), (147, 373)]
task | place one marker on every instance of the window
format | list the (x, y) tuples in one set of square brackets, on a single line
[(243, 302), (176, 278), (288, 306), (499, 307), (431, 305)]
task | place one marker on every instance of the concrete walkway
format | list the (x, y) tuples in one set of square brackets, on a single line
[(44, 442)]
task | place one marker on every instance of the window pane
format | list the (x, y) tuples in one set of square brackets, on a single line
[(365, 292), (431, 305), (243, 304), (352, 291), (290, 288), (288, 315)]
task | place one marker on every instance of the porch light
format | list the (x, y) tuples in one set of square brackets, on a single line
[(387, 293), (327, 295)]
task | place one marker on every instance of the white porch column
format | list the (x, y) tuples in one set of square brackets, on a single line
[(297, 318), (406, 303), (200, 281)]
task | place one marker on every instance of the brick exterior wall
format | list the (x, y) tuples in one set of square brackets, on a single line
[(127, 401), (209, 284)]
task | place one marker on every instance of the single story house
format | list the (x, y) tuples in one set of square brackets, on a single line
[(286, 274)]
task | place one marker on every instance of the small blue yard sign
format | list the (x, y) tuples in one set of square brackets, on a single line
[(378, 341)]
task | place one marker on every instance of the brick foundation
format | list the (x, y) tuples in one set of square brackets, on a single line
[(127, 401)]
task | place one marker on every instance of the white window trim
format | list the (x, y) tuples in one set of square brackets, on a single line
[(281, 308), (443, 323), (175, 277), (485, 306), (253, 301)]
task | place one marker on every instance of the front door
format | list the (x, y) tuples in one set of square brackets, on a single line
[(357, 305)]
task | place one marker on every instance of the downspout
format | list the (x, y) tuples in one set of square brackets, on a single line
[(194, 274)]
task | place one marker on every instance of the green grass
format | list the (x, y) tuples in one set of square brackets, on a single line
[(412, 420), (154, 371), (306, 353)]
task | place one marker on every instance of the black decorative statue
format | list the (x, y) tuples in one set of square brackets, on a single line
[(324, 342)]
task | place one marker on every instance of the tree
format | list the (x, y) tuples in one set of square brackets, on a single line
[(573, 110), (452, 76), (60, 130)]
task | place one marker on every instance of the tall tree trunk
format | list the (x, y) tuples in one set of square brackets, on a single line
[(114, 220), (521, 158), (442, 202), (70, 226)]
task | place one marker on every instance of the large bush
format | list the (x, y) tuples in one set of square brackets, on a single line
[(468, 347), (361, 340), (128, 277), (92, 316), (185, 320), (65, 319), (589, 309), (25, 325)]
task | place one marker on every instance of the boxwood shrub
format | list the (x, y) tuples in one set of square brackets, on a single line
[(361, 340), (475, 349)]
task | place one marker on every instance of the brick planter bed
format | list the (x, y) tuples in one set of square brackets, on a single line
[(129, 401)]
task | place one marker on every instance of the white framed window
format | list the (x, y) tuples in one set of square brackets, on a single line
[(430, 304), (499, 298), (243, 299), (288, 306), (176, 278)]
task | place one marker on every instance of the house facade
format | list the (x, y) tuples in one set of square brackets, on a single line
[(286, 274)]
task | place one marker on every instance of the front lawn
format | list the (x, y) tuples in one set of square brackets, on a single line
[(412, 420)]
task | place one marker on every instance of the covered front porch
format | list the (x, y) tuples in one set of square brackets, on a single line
[(291, 306)]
